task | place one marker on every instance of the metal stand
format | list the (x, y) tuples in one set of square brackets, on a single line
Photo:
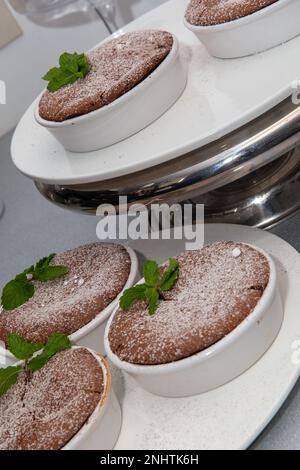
[(193, 176)]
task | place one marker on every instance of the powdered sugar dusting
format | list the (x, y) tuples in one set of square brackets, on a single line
[(115, 67), (215, 291), (46, 410), (236, 252), (210, 12), (97, 274)]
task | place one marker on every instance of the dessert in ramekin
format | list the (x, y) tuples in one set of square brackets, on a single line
[(77, 304), (129, 76), (222, 315), (67, 404), (230, 29)]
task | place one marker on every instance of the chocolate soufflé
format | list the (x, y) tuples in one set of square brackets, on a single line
[(116, 66), (212, 12), (44, 411), (217, 288), (97, 274)]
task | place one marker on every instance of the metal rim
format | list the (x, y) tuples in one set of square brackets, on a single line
[(262, 199), (254, 145)]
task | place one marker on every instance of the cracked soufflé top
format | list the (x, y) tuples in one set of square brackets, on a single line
[(97, 274), (212, 12), (217, 288), (116, 66)]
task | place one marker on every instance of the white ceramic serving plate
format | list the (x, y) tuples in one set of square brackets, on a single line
[(128, 114), (233, 415), (102, 429), (262, 30), (92, 334), (220, 96), (219, 363)]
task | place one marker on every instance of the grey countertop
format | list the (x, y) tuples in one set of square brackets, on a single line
[(32, 227)]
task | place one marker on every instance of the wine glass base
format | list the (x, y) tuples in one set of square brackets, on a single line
[(1, 208)]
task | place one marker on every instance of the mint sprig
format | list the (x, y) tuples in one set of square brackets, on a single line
[(72, 67), (130, 295), (24, 350), (151, 273), (8, 377), (44, 272), (16, 293), (152, 295), (153, 286), (21, 348), (170, 276), (19, 290), (56, 342)]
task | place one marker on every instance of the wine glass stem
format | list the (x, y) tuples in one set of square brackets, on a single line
[(98, 7), (1, 208)]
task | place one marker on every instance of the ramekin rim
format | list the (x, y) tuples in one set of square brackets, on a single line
[(121, 100), (201, 356), (229, 25), (98, 411), (101, 317)]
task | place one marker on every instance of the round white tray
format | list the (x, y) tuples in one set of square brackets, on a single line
[(233, 415), (221, 96)]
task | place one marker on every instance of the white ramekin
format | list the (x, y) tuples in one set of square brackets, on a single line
[(92, 334), (128, 114), (262, 30), (219, 363), (102, 429)]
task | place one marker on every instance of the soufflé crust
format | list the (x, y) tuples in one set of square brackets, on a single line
[(45, 411), (212, 12), (97, 274), (217, 288), (116, 67)]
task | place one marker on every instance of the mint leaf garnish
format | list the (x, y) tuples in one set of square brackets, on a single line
[(72, 67), (170, 275), (151, 273), (152, 295), (50, 273), (16, 293), (56, 342), (130, 295), (8, 377), (44, 272), (20, 290), (153, 286), (24, 350), (21, 348), (44, 262)]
